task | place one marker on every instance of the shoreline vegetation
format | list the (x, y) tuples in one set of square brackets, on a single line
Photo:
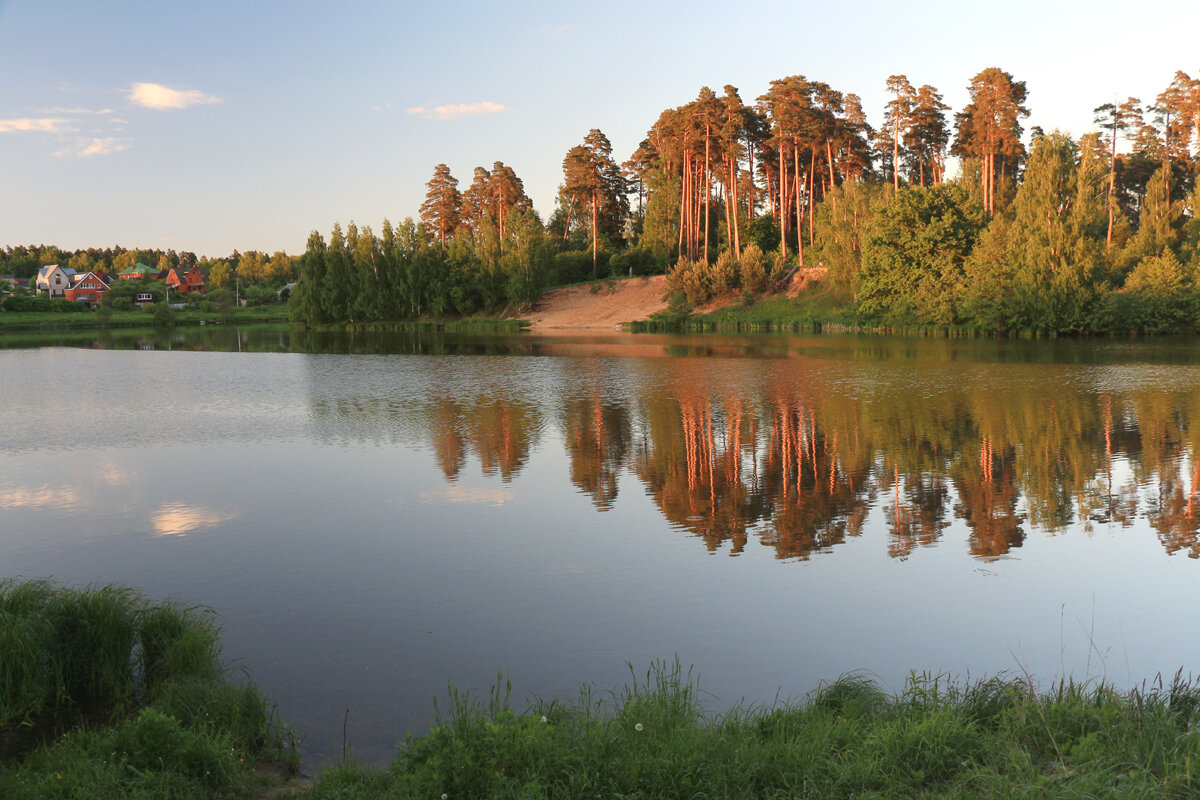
[(107, 694)]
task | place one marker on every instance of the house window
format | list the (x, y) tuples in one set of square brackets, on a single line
[(144, 297)]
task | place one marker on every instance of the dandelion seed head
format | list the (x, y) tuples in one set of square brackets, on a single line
[(638, 727)]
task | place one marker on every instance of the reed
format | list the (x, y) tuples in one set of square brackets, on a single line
[(936, 738), (106, 693)]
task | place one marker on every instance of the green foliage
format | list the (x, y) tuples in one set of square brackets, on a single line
[(692, 279), (842, 222), (163, 316), (753, 266), (122, 293), (106, 694), (41, 304), (402, 274), (642, 260), (913, 254), (937, 738), (1042, 268)]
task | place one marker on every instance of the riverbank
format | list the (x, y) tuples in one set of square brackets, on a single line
[(31, 321), (107, 694), (936, 739)]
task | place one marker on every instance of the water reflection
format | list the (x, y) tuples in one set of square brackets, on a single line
[(177, 519), (798, 455)]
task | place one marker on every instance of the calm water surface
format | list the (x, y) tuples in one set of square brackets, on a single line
[(376, 516)]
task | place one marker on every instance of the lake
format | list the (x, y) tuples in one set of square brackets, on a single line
[(374, 516)]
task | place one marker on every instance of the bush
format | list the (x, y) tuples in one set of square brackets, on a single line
[(91, 654), (692, 279), (638, 261), (753, 268), (41, 303), (725, 274)]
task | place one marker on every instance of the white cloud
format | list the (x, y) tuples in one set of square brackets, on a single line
[(458, 110), (96, 146), (154, 95), (40, 125), (75, 111)]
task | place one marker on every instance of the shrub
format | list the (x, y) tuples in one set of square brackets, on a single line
[(753, 268)]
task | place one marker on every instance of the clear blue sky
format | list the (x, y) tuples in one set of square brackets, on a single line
[(213, 126)]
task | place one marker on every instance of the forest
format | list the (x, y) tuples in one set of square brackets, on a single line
[(1035, 231)]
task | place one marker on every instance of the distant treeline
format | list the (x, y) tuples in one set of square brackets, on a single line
[(249, 268)]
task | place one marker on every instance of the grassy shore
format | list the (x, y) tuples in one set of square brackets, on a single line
[(107, 694), (26, 321), (996, 738), (811, 311)]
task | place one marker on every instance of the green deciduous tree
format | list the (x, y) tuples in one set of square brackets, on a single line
[(913, 256)]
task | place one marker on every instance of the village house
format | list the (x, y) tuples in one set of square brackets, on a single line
[(183, 279), (88, 287), (54, 280), (137, 272)]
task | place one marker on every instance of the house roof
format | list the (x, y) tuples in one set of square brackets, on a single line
[(140, 269)]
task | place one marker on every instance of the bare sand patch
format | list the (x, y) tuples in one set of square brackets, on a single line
[(599, 306)]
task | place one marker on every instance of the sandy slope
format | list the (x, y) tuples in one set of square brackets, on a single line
[(581, 308)]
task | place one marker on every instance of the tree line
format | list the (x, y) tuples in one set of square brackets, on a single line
[(1064, 236), (251, 268), (725, 194)]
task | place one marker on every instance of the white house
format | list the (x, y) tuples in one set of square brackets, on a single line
[(54, 280)]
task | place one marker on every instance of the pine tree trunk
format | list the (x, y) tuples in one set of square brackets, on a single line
[(737, 234), (707, 189), (799, 206), (782, 213), (595, 238), (1112, 181), (832, 178), (812, 178)]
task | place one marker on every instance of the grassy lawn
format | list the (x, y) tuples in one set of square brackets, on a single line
[(139, 318)]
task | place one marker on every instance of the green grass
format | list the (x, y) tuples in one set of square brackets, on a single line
[(812, 311), (107, 694), (936, 739), (451, 325), (13, 321)]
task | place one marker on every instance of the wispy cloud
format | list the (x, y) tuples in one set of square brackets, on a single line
[(37, 124), (458, 110), (155, 95), (552, 31), (76, 111), (96, 146)]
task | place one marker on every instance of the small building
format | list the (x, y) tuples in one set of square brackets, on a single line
[(54, 280), (184, 279), (88, 287), (138, 272)]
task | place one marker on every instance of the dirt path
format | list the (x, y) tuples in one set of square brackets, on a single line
[(599, 306)]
